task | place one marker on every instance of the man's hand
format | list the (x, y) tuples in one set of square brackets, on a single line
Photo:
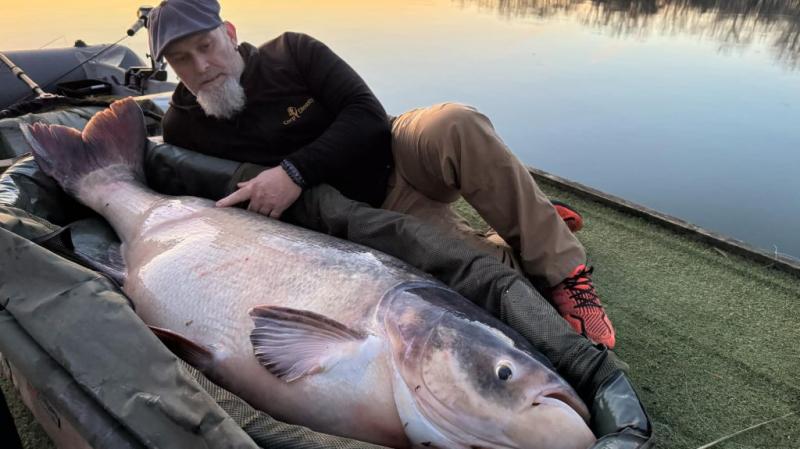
[(270, 193)]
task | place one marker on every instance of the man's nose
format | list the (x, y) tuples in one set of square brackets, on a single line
[(201, 64)]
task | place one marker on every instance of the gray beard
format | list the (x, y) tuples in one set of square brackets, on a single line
[(223, 101)]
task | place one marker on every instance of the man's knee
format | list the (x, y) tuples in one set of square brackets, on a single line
[(449, 118)]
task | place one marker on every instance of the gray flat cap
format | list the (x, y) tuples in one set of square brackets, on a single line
[(174, 19)]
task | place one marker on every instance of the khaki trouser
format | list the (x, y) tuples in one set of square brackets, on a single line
[(450, 150)]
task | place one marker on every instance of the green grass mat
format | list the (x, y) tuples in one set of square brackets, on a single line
[(712, 339), (30, 432)]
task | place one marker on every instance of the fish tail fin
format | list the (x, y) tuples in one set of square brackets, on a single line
[(113, 137)]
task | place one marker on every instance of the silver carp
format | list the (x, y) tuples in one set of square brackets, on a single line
[(311, 329)]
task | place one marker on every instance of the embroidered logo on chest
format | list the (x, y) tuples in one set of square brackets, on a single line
[(295, 113)]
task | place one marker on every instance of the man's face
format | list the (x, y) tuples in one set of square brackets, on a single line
[(203, 60), (210, 67)]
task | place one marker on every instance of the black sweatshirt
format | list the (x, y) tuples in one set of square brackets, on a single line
[(304, 104)]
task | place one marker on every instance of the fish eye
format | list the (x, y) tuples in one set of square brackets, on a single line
[(503, 371)]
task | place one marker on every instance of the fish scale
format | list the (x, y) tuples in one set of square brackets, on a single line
[(225, 273)]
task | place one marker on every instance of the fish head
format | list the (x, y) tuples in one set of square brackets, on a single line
[(461, 382)]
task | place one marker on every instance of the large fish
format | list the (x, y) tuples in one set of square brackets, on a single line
[(308, 328)]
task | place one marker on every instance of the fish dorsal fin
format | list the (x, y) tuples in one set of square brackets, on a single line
[(293, 343)]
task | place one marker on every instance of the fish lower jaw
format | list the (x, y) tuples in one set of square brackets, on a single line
[(420, 432), (551, 424)]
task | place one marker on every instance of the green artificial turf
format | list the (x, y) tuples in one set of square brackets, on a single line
[(30, 432), (712, 339)]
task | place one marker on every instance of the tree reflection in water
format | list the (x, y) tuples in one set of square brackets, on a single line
[(734, 23)]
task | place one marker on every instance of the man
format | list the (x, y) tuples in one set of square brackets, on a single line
[(295, 106)]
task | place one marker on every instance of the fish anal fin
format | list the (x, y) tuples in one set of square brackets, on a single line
[(293, 343), (192, 353)]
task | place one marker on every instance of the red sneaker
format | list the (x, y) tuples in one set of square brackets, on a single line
[(576, 300), (571, 217)]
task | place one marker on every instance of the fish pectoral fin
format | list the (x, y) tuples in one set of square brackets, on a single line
[(192, 353), (293, 343)]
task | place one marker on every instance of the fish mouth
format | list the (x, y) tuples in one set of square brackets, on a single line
[(557, 397)]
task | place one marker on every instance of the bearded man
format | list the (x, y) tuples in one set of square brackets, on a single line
[(294, 105)]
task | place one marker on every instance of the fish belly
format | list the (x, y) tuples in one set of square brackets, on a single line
[(200, 274)]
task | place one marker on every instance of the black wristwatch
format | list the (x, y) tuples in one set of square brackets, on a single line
[(294, 173)]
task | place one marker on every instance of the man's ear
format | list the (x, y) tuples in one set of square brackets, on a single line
[(230, 30)]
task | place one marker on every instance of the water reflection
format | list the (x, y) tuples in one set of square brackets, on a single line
[(734, 23)]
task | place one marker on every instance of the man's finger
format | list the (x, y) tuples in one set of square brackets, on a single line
[(276, 213), (234, 198), (266, 211), (259, 206)]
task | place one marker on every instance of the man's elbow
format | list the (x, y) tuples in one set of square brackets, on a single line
[(378, 129)]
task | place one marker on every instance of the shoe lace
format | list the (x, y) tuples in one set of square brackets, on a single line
[(581, 289)]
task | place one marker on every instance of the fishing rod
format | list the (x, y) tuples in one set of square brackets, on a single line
[(137, 77), (16, 108), (40, 93), (22, 76), (141, 19), (140, 76)]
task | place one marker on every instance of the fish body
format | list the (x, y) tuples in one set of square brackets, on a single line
[(306, 327)]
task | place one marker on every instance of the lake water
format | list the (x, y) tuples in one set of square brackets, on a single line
[(689, 107)]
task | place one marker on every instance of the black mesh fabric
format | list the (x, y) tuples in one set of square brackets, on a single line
[(476, 275), (268, 432)]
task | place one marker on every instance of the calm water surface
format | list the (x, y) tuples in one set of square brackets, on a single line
[(690, 107)]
